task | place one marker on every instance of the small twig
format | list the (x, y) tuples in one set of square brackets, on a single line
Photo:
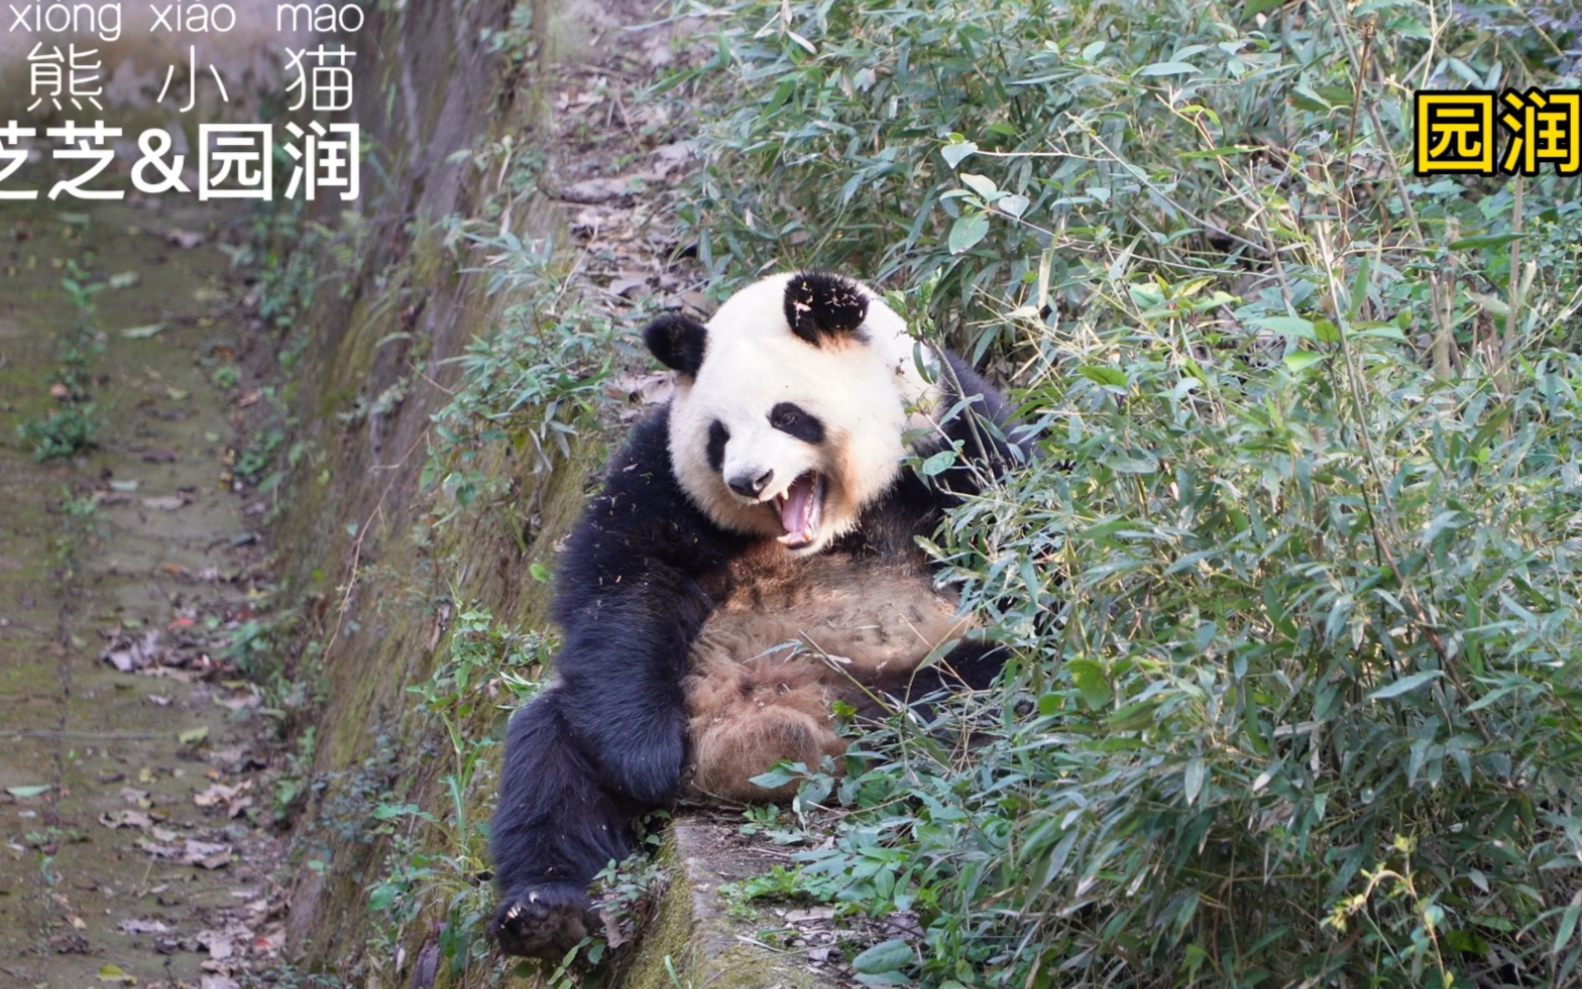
[(1443, 307), (19, 623), (1508, 350), (357, 548), (1274, 258), (626, 118), (1379, 133), (64, 733)]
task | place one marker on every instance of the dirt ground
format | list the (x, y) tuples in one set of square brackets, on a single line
[(135, 823)]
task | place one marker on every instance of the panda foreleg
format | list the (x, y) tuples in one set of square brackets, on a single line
[(553, 831), (974, 663), (622, 663), (971, 665)]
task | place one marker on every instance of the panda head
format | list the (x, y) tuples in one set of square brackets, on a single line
[(791, 406)]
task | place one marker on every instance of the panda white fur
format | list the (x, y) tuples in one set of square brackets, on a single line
[(751, 557), (809, 426)]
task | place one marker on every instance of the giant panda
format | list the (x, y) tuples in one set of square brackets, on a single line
[(751, 558)]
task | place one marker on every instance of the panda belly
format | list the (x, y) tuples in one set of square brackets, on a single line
[(791, 637)]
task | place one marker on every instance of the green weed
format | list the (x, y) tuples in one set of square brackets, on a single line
[(780, 883), (64, 433), (72, 428), (259, 455), (437, 865), (532, 383)]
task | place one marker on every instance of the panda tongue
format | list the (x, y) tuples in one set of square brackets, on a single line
[(796, 512)]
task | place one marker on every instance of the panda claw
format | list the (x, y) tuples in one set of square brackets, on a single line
[(547, 922)]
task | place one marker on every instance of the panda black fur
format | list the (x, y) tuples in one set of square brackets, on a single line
[(767, 503)]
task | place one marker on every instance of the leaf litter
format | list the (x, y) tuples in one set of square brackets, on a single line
[(152, 874)]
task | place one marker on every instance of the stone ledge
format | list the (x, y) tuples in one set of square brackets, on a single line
[(705, 942)]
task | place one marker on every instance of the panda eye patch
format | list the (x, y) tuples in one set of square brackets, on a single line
[(718, 437), (794, 420)]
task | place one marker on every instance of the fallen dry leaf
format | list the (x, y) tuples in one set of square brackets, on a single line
[(242, 699), (614, 936), (114, 819), (127, 654), (210, 855), (812, 914), (626, 282), (70, 943), (207, 854), (596, 190), (219, 793), (222, 944)]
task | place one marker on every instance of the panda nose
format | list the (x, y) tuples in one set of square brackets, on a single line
[(749, 487)]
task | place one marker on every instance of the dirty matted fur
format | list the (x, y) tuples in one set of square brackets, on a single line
[(792, 638)]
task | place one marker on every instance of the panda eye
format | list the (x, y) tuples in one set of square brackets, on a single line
[(718, 437), (793, 419)]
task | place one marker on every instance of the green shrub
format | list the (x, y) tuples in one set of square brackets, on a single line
[(1111, 135), (1299, 686), (532, 381), (1293, 588)]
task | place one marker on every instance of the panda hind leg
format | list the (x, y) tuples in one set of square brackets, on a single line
[(554, 829), (748, 716)]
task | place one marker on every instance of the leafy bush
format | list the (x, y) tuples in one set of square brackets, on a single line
[(1112, 135), (1310, 710), (436, 865), (532, 381), (1294, 588)]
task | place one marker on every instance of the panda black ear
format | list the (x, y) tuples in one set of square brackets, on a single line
[(677, 341), (822, 306)]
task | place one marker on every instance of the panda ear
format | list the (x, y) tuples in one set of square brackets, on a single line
[(677, 341), (820, 306)]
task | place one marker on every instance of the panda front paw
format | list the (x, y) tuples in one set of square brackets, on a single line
[(544, 921)]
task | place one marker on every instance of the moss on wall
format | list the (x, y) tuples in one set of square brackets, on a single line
[(389, 868), (361, 556)]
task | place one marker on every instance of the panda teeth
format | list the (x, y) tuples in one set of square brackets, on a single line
[(811, 504)]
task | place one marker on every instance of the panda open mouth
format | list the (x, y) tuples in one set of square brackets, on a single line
[(801, 508)]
